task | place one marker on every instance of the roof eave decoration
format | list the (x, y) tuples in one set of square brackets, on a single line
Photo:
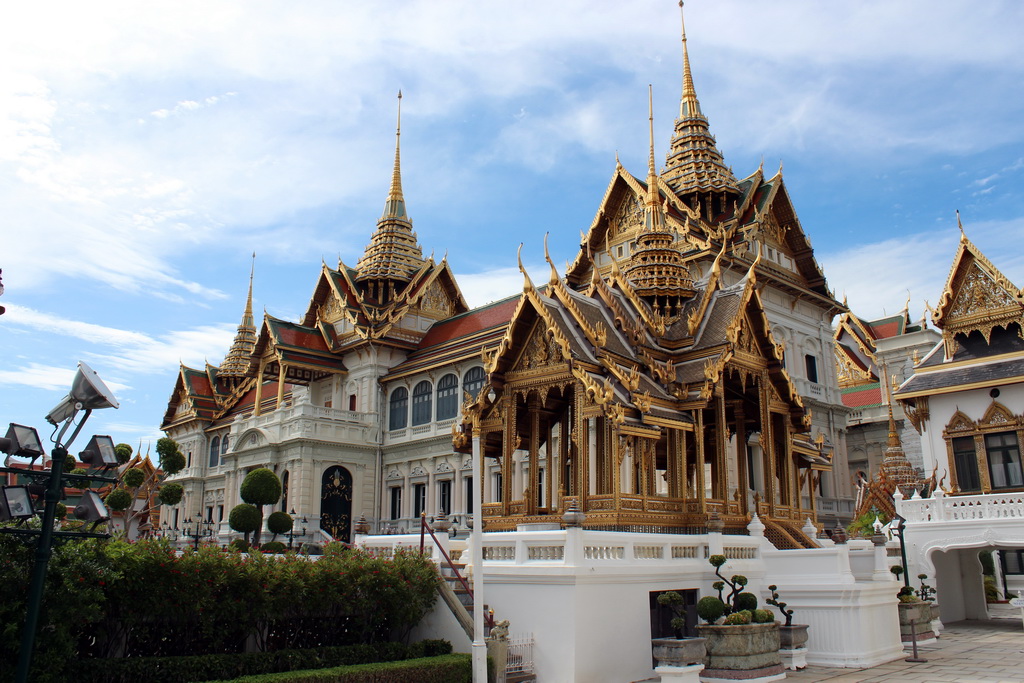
[(977, 298)]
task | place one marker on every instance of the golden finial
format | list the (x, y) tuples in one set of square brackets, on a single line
[(689, 105), (845, 304), (395, 205), (547, 257), (960, 225), (650, 122), (248, 301), (527, 282)]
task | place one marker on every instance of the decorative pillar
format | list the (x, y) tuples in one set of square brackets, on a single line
[(771, 481), (280, 385), (741, 457), (700, 462), (530, 495), (509, 446), (258, 402), (722, 436)]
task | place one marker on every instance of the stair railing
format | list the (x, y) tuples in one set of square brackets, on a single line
[(424, 530)]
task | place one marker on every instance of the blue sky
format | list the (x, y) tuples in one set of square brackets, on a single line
[(146, 150)]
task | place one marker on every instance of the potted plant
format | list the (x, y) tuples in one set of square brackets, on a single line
[(792, 637), (677, 651), (926, 594), (915, 615), (739, 636)]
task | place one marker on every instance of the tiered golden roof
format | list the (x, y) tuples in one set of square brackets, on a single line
[(656, 269), (694, 163), (393, 253), (236, 363)]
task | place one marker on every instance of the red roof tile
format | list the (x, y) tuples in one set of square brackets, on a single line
[(858, 398), (469, 323)]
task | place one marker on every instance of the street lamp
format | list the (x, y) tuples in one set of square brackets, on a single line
[(88, 393), (291, 532), (200, 528)]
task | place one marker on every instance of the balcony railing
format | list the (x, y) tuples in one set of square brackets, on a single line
[(943, 508)]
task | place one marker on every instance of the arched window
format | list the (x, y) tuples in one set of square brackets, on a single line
[(447, 397), (398, 409), (215, 451), (473, 380), (224, 445), (421, 403)]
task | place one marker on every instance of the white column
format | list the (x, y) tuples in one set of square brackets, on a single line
[(479, 649)]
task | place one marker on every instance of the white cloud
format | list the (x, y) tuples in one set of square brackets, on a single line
[(129, 352)]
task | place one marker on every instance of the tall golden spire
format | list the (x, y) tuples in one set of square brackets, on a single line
[(895, 464), (393, 254), (236, 363), (394, 207), (655, 267), (694, 163)]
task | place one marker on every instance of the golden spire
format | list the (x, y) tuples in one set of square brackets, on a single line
[(236, 363), (895, 464), (694, 163), (393, 253), (656, 268), (394, 207), (688, 105)]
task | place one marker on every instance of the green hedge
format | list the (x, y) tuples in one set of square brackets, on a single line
[(232, 666), (110, 599), (456, 668)]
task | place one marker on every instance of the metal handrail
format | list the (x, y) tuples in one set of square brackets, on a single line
[(424, 530)]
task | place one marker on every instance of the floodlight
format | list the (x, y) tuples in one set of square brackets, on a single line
[(23, 441), (15, 503), (99, 453), (91, 508), (88, 392)]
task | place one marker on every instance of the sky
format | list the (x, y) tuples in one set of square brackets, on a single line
[(148, 149)]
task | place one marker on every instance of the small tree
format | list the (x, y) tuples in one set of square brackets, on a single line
[(260, 487), (144, 483), (279, 523), (245, 518)]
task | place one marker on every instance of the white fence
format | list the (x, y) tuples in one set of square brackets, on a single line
[(942, 508)]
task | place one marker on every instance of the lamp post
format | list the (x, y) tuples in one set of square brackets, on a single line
[(899, 529), (291, 532), (88, 393), (200, 528)]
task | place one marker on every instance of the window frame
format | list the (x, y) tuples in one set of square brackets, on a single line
[(398, 409), (447, 397), (422, 403)]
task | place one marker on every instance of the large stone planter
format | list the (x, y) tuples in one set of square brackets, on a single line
[(744, 652), (920, 614), (679, 651)]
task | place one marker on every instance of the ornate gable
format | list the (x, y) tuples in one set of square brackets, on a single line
[(977, 298)]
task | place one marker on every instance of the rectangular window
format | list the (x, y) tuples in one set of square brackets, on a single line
[(444, 497), (1004, 460), (497, 487), (352, 402), (419, 499), (1013, 561), (396, 502), (812, 368), (965, 460), (328, 403), (209, 514), (220, 513), (469, 495)]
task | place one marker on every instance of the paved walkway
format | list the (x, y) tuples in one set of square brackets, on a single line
[(967, 652)]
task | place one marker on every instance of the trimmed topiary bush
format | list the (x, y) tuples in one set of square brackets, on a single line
[(133, 477), (279, 523), (763, 616), (740, 618), (118, 500), (172, 460), (171, 494), (272, 547), (710, 609), (746, 601), (245, 518)]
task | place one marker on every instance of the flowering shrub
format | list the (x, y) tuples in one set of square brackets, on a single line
[(120, 599)]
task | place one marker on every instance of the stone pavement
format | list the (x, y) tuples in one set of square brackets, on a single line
[(967, 652)]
